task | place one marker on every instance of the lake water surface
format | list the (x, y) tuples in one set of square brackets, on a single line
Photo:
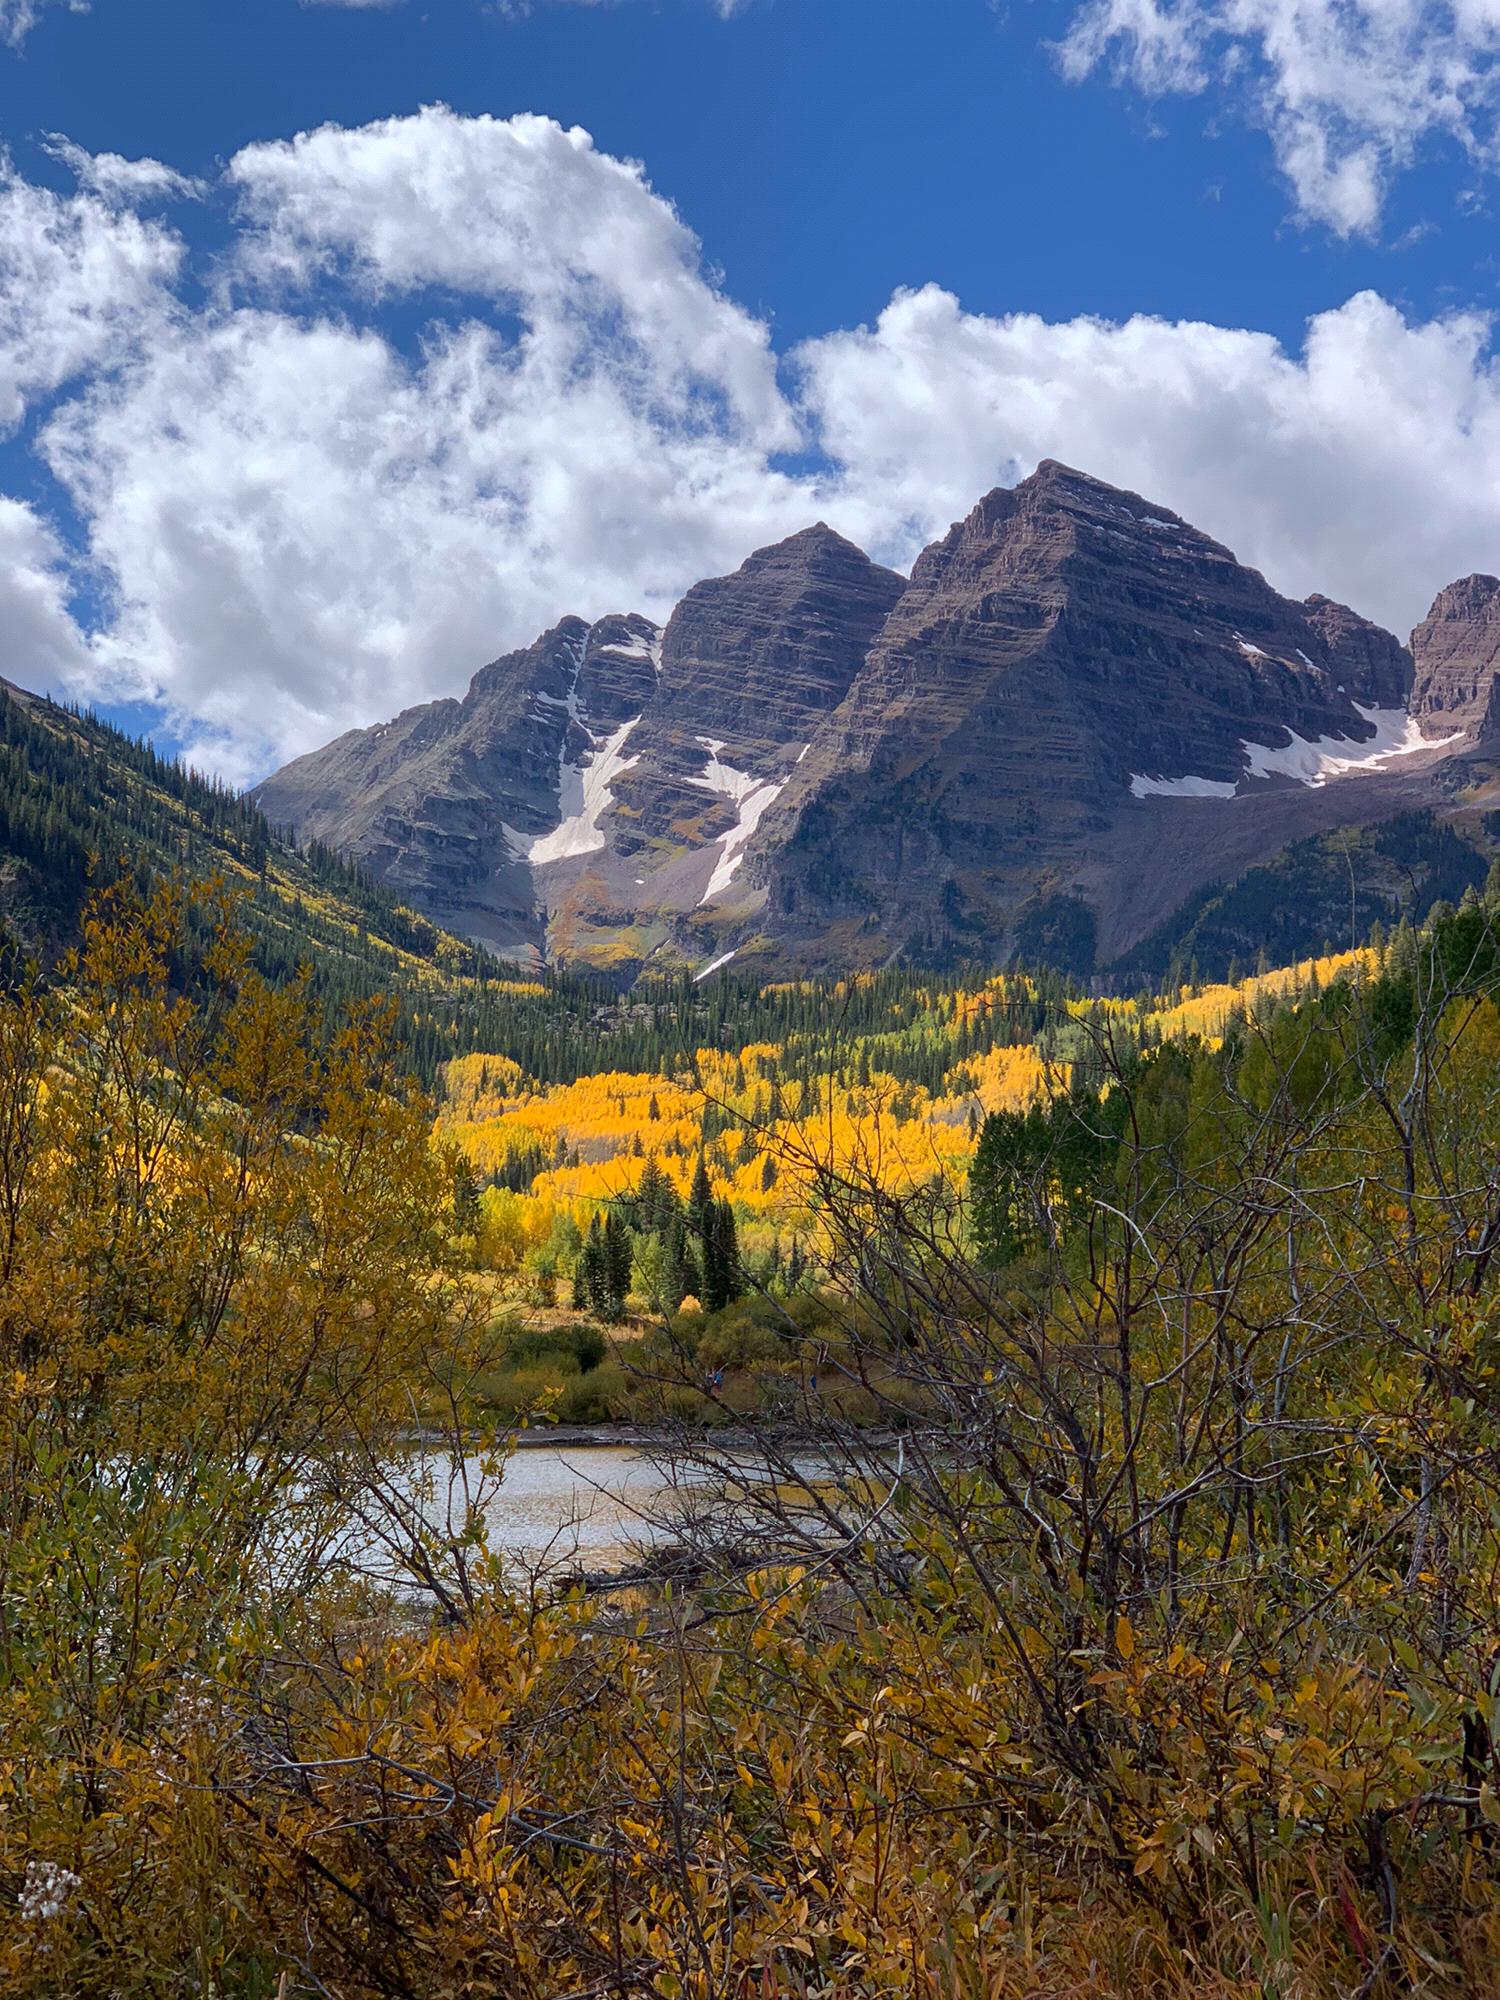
[(559, 1505), (589, 1501)]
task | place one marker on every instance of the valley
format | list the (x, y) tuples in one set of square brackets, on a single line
[(749, 1000), (1021, 1369)]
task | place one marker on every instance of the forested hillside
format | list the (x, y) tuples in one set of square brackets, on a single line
[(699, 1178), (1100, 1599), (81, 804)]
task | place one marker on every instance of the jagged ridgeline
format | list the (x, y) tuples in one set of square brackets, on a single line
[(1080, 733)]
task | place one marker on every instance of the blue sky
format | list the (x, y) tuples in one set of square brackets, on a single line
[(825, 151), (275, 465)]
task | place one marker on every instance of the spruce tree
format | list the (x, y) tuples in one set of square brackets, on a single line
[(594, 1264), (655, 1198), (680, 1277), (1003, 1202), (700, 1201), (617, 1261), (723, 1280)]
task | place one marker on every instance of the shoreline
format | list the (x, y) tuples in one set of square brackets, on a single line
[(643, 1438)]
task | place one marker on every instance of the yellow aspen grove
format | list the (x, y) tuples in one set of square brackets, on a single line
[(1096, 1595)]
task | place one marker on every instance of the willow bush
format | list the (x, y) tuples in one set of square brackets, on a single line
[(221, 1284)]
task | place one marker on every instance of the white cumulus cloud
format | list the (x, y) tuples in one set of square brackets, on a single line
[(518, 212), (1349, 91), (302, 525), (1367, 466), (77, 276), (119, 180), (452, 378), (43, 648)]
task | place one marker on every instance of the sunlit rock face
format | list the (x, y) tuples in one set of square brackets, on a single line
[(1077, 713), (449, 803), (1456, 651), (1065, 649)]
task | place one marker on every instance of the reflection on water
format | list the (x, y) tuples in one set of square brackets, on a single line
[(547, 1507), (593, 1501)]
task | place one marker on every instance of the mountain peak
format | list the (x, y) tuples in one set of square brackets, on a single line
[(1078, 711), (559, 645), (1456, 651), (1054, 481), (1053, 473), (758, 657), (1476, 596), (818, 544), (1060, 495)]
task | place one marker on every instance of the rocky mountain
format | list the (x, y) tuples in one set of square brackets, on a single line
[(455, 804), (586, 795), (1457, 650), (1078, 718), (1064, 649)]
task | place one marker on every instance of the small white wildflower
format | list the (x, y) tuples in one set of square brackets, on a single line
[(46, 1892)]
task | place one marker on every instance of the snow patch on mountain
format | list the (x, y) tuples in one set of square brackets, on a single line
[(583, 794), (634, 648), (751, 795), (1313, 761), (1307, 760), (1181, 788), (712, 966)]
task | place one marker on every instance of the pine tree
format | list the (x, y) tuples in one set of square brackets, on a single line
[(1003, 1202), (595, 1274), (723, 1279), (617, 1261), (588, 1272), (700, 1201), (680, 1277), (655, 1198)]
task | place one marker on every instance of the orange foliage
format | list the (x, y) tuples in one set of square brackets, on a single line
[(736, 1109)]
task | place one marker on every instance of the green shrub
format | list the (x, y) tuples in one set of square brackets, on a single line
[(576, 1348), (516, 1392), (744, 1335), (599, 1397)]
